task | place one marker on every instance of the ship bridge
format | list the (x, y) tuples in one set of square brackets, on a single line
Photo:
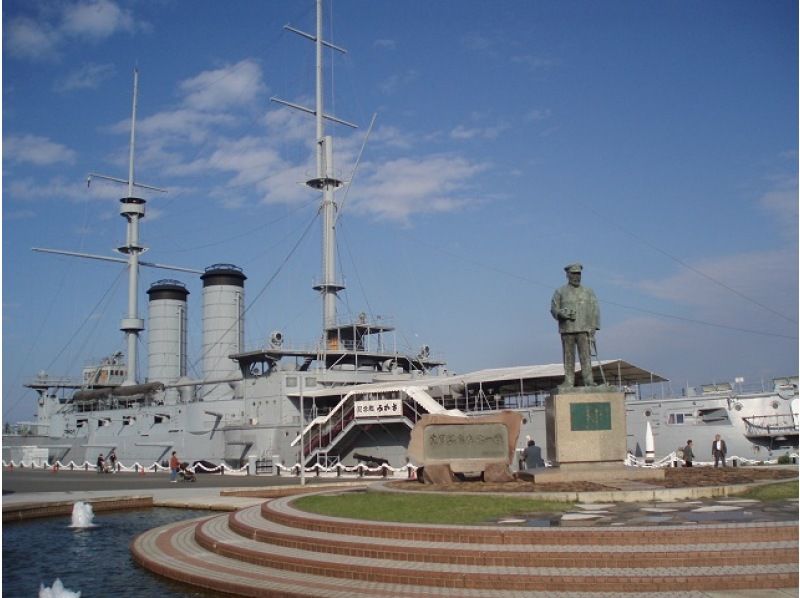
[(364, 416)]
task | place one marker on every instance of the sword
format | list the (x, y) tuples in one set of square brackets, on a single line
[(593, 353)]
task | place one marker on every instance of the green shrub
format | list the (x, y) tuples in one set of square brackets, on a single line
[(784, 460)]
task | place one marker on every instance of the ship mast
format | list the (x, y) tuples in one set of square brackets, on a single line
[(324, 181), (132, 209)]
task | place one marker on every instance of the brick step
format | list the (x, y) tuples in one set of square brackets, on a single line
[(281, 511), (174, 552), (215, 535), (250, 524), (171, 551)]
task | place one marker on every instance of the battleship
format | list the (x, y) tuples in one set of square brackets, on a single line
[(352, 396)]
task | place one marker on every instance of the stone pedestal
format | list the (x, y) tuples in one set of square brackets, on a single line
[(586, 428), (587, 438)]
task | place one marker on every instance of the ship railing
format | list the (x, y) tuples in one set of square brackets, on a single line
[(777, 424), (675, 459), (360, 470), (136, 467), (325, 431)]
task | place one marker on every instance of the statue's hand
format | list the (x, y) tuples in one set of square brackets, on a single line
[(566, 313)]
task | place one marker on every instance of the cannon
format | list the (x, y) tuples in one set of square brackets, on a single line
[(370, 461)]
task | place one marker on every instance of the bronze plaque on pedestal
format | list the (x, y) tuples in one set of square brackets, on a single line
[(589, 416)]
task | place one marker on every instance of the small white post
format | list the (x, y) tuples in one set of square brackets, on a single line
[(302, 428)]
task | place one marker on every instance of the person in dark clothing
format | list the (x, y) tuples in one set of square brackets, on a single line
[(718, 450), (533, 456), (688, 454)]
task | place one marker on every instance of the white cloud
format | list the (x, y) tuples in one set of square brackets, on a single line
[(18, 214), (768, 277), (96, 19), (781, 202), (463, 132), (249, 158), (538, 114), (397, 81), (26, 38), (290, 125), (89, 76), (388, 44), (36, 150), (53, 189), (287, 186), (40, 37), (397, 189), (179, 124), (714, 333), (476, 41), (221, 88)]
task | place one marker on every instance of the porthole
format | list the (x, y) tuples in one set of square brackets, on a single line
[(738, 406), (774, 404), (648, 413)]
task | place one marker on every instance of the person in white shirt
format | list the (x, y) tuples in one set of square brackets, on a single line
[(718, 450)]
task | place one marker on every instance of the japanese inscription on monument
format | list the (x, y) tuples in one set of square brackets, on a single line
[(477, 441), (590, 416)]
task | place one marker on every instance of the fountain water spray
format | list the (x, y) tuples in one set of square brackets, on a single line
[(57, 591), (82, 515)]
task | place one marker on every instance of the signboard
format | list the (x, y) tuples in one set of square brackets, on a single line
[(379, 408), (589, 416), (465, 441)]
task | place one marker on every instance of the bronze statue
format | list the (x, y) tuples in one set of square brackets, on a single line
[(575, 308)]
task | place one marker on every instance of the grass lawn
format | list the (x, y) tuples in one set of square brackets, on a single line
[(428, 508), (780, 491)]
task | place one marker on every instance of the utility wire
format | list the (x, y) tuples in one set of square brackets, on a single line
[(630, 307), (697, 271)]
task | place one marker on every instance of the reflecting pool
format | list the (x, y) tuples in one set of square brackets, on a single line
[(94, 561)]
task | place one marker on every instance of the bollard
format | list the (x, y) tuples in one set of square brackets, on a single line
[(71, 465), (735, 462), (385, 470), (360, 470), (675, 463), (318, 468), (338, 472)]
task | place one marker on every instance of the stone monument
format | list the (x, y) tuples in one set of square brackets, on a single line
[(445, 445)]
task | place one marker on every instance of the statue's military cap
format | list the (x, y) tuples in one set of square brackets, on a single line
[(573, 268)]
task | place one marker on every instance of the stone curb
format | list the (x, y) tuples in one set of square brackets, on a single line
[(601, 496), (25, 511)]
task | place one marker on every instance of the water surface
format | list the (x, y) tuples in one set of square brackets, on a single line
[(95, 561)]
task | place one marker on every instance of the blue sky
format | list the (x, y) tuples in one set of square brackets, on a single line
[(655, 142)]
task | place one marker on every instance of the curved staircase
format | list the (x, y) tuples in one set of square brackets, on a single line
[(276, 550)]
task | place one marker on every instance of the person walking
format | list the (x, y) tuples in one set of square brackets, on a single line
[(688, 454), (174, 467), (719, 450)]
